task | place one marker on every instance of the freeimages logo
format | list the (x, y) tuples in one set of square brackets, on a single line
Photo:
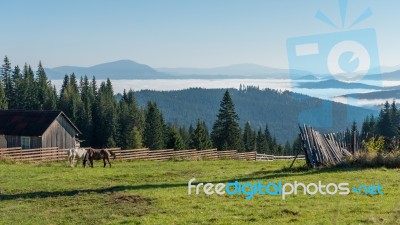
[(279, 188), (345, 56)]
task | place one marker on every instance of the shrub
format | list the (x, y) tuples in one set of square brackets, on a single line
[(374, 144), (377, 159)]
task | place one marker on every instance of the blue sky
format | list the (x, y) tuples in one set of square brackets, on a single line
[(178, 33)]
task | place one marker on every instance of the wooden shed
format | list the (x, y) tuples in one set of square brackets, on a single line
[(37, 129)]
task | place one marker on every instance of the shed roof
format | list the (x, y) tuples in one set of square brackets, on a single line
[(28, 122)]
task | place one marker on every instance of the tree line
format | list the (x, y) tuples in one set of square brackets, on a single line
[(384, 128), (107, 122)]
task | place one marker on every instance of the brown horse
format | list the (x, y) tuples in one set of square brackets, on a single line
[(98, 154)]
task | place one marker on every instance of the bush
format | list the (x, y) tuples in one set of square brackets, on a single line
[(377, 159), (374, 144)]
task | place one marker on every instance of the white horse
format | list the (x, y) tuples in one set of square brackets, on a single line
[(74, 154)]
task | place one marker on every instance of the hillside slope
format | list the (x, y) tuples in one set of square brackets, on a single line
[(283, 111)]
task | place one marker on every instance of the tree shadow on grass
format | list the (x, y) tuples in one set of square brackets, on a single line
[(258, 175)]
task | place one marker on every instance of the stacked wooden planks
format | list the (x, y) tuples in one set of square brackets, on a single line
[(322, 150)]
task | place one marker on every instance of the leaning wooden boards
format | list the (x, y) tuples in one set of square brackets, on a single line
[(322, 150)]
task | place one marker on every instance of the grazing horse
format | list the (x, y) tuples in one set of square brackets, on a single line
[(75, 153), (98, 154)]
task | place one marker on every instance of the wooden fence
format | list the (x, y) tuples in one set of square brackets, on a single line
[(264, 157), (322, 149), (55, 154)]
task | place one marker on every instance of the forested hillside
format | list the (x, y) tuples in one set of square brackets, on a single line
[(282, 111)]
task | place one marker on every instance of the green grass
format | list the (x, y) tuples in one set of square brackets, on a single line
[(156, 193)]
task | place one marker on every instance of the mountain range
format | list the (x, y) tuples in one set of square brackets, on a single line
[(127, 69), (122, 69)]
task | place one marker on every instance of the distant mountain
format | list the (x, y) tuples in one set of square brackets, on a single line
[(390, 94), (283, 111), (391, 76), (307, 77), (245, 70), (127, 69), (336, 84), (122, 69)]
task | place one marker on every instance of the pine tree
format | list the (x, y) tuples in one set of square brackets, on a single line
[(394, 119), (46, 98), (70, 100), (137, 138), (3, 98), (200, 138), (88, 99), (105, 116), (262, 145), (185, 136), (270, 141), (28, 91), (129, 122), (175, 140), (153, 134), (248, 138), (14, 101), (384, 122), (365, 129), (6, 78), (226, 132)]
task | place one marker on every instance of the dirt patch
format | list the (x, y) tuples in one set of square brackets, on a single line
[(131, 205), (137, 199), (290, 212)]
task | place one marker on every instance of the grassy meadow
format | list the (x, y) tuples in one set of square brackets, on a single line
[(145, 192)]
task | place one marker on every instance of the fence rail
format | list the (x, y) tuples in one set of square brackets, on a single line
[(264, 157), (55, 154)]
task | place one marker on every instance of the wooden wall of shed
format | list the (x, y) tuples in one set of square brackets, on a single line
[(15, 141), (59, 134), (3, 141)]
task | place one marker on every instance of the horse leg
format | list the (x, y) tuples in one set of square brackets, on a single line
[(108, 160), (70, 161), (73, 161), (104, 161)]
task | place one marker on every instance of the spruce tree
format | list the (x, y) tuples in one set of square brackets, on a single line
[(129, 122), (3, 98), (226, 133), (105, 116), (14, 102), (394, 119), (46, 98), (153, 134), (70, 100), (384, 122), (175, 140), (262, 145), (200, 138), (6, 78), (88, 99), (185, 136), (28, 90), (248, 138)]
